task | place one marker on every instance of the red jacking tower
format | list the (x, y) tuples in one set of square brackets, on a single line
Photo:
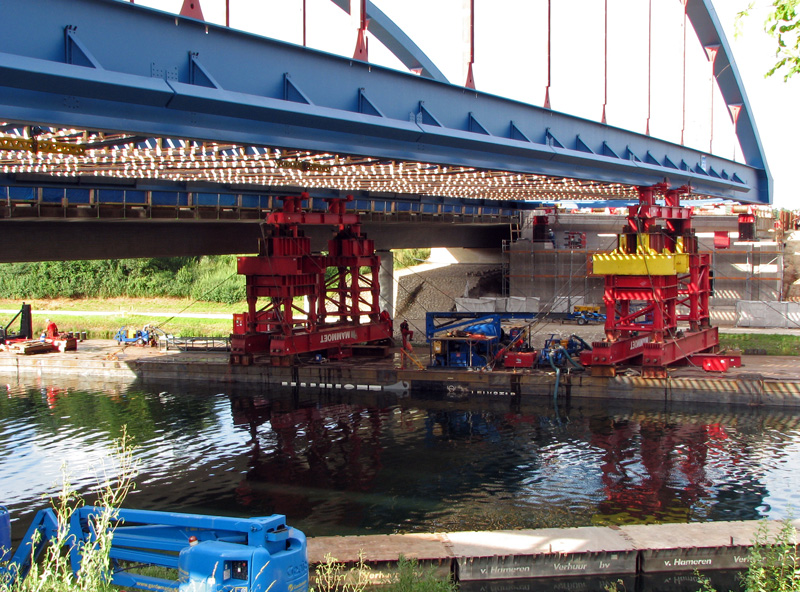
[(655, 280), (343, 304)]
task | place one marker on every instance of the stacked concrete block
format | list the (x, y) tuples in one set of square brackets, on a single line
[(756, 313)]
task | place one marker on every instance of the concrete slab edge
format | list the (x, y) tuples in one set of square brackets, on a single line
[(550, 553)]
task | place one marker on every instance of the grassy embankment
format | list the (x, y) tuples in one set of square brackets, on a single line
[(104, 326), (761, 343), (159, 288)]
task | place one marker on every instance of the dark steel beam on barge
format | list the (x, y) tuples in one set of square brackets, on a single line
[(179, 77), (71, 239)]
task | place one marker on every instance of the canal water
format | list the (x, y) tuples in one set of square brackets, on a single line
[(365, 462)]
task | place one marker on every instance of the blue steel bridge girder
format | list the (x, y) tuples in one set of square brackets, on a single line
[(147, 72)]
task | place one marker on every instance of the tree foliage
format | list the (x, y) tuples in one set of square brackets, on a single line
[(205, 278), (210, 279), (784, 25)]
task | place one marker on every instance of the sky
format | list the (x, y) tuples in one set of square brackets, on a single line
[(511, 61)]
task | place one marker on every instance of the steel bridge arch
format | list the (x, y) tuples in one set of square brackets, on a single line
[(178, 82)]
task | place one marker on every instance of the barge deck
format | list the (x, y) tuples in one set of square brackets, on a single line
[(763, 380)]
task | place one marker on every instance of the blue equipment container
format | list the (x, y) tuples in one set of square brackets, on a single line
[(5, 534)]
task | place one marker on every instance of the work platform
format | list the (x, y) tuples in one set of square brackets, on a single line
[(763, 380)]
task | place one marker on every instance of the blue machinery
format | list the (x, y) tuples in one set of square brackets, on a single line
[(210, 553), (471, 340), (480, 341), (5, 535), (175, 80)]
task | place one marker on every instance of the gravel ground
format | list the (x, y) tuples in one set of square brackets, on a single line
[(421, 290)]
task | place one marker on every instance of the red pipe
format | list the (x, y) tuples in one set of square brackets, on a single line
[(470, 76), (605, 63), (683, 127), (649, 63), (547, 88)]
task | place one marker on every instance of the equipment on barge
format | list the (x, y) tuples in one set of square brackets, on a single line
[(583, 315), (657, 289), (343, 302), (210, 553), (476, 340), (492, 341), (147, 335), (25, 325), (23, 342)]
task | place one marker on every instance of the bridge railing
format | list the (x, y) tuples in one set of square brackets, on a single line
[(49, 202)]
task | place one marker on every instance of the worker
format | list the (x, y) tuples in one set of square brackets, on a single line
[(51, 330), (407, 334)]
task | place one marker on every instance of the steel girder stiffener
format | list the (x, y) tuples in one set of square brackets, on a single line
[(657, 289), (342, 300)]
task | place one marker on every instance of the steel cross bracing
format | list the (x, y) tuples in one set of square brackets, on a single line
[(115, 66)]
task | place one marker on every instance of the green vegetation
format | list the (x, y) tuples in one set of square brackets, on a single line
[(410, 257), (164, 287), (198, 278), (409, 576), (761, 343), (783, 24), (53, 573), (211, 279), (772, 563)]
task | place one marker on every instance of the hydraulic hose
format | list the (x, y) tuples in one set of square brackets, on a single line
[(558, 373)]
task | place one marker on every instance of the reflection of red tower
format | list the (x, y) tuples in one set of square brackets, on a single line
[(52, 396), (645, 463), (311, 449)]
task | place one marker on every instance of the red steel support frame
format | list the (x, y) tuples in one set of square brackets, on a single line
[(643, 311), (342, 304)]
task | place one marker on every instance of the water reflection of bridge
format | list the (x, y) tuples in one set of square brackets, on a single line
[(382, 467), (353, 462)]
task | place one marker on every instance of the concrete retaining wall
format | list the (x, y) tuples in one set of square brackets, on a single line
[(785, 315)]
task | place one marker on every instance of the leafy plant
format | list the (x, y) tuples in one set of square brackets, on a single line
[(412, 577), (53, 572), (333, 576), (772, 562), (783, 24)]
